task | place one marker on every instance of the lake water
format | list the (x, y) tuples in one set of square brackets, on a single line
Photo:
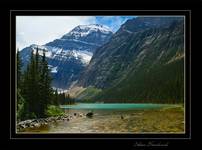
[(114, 106), (119, 118)]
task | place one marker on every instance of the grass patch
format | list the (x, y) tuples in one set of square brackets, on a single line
[(54, 111)]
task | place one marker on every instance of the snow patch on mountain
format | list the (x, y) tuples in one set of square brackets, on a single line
[(54, 70), (84, 56), (60, 54), (84, 30), (84, 42)]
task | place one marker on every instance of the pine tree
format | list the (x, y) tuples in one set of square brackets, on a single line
[(26, 92), (32, 87), (19, 71), (63, 98), (37, 83), (67, 99), (56, 98), (20, 99), (45, 86)]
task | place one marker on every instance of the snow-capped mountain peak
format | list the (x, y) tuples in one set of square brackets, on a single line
[(93, 27), (68, 56), (84, 30)]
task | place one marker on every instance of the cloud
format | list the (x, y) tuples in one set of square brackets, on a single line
[(43, 29)]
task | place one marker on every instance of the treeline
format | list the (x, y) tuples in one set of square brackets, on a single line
[(34, 91), (62, 99)]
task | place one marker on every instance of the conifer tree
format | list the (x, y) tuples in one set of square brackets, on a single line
[(45, 86), (20, 99), (38, 94), (19, 65), (32, 87), (56, 98)]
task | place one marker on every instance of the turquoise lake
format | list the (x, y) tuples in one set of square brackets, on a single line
[(114, 106)]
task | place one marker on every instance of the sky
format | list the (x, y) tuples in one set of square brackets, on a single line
[(43, 29)]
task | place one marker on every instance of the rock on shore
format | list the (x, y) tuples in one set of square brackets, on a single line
[(36, 123)]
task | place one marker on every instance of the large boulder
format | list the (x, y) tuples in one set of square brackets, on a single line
[(89, 114)]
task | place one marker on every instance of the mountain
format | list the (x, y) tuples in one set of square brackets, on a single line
[(142, 62), (83, 37), (68, 56)]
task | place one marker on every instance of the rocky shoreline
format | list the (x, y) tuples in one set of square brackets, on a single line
[(37, 123)]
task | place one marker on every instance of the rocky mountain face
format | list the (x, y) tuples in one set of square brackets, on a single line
[(68, 56), (143, 62)]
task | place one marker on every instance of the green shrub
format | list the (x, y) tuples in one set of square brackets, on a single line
[(54, 111)]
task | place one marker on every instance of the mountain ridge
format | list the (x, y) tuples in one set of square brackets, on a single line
[(132, 58)]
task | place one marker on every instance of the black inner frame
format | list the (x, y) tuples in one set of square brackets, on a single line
[(186, 13)]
